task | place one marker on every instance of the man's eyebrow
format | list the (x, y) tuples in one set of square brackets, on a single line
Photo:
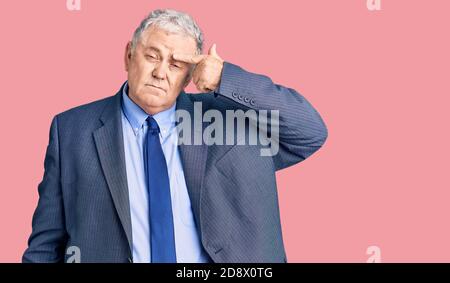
[(178, 61), (153, 48), (159, 51)]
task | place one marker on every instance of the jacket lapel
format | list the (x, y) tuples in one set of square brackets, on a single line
[(110, 147), (193, 156)]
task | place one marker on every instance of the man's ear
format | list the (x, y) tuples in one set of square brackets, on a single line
[(127, 56)]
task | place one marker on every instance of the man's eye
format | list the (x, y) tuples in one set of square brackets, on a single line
[(150, 56), (176, 66)]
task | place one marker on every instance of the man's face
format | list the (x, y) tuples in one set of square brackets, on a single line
[(154, 78)]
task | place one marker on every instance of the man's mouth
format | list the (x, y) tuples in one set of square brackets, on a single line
[(156, 87)]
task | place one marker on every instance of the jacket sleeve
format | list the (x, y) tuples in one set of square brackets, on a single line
[(48, 237), (301, 128)]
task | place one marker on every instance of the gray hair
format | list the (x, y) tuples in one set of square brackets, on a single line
[(171, 21)]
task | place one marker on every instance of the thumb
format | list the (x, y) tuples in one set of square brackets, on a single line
[(212, 51)]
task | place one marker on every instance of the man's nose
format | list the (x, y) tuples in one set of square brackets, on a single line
[(159, 71)]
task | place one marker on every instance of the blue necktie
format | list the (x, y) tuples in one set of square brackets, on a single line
[(162, 238)]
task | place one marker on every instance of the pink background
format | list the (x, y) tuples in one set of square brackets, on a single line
[(380, 79)]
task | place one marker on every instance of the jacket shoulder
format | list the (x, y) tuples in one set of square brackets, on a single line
[(86, 111)]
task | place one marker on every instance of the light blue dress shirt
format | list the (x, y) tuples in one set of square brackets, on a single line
[(187, 242)]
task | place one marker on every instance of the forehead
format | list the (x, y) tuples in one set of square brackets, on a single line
[(167, 43)]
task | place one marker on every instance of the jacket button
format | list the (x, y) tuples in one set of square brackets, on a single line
[(252, 102), (240, 97), (234, 94), (246, 99)]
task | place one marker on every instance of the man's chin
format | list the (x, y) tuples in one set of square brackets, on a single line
[(154, 100)]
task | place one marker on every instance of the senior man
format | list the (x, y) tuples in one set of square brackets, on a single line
[(120, 187)]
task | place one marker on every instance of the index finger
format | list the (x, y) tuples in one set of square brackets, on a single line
[(187, 58)]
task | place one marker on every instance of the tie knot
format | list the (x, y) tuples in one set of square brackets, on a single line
[(152, 125)]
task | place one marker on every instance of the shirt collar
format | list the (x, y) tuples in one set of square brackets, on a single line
[(136, 116)]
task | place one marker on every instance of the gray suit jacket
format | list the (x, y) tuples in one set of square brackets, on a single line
[(83, 197)]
